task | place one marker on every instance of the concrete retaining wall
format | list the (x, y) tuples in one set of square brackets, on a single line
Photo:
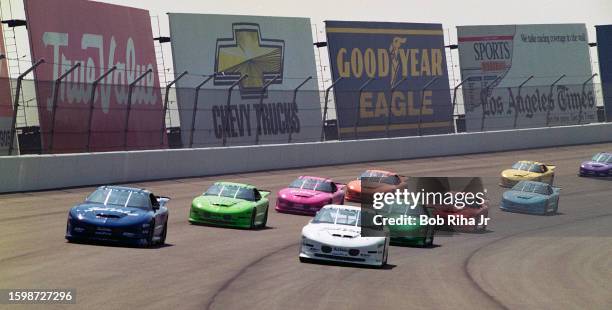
[(38, 172)]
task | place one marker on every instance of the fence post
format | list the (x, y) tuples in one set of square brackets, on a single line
[(56, 90), (483, 95), (129, 106), (550, 98), (165, 108), (229, 101), (261, 98), (583, 86), (390, 103), (356, 123), (519, 94), (294, 103), (325, 108), (422, 100), (16, 103), (195, 108), (92, 98), (453, 121)]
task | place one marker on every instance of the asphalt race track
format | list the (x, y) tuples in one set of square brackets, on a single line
[(522, 262)]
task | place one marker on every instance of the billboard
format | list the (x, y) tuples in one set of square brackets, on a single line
[(551, 62), (604, 51), (267, 58), (6, 110), (393, 62), (97, 36)]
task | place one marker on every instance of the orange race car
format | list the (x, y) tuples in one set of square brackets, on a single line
[(374, 181)]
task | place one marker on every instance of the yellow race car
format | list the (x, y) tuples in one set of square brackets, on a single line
[(528, 171)]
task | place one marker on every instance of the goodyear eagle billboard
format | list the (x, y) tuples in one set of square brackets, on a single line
[(551, 62), (266, 58), (604, 50), (392, 63)]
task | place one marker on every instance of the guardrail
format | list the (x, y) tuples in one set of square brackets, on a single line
[(39, 172)]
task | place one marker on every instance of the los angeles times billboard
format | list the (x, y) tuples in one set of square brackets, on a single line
[(552, 61), (392, 64), (604, 51), (268, 58), (98, 36)]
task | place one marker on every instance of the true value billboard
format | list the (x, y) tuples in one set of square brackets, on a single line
[(604, 52), (266, 59), (391, 78), (520, 76), (6, 111), (97, 36)]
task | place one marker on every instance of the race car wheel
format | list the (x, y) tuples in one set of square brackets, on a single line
[(265, 220), (253, 216), (162, 239)]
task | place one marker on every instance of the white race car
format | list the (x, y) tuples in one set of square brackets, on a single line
[(334, 234)]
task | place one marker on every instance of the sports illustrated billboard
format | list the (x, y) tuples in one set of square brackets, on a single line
[(392, 64), (98, 36), (604, 51), (266, 58), (6, 110), (551, 62)]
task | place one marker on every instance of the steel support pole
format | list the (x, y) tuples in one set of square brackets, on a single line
[(92, 98), (165, 108), (583, 87), (16, 103), (56, 90), (519, 94), (325, 108), (264, 88), (422, 100), (356, 124), (129, 106), (550, 94), (484, 95), (294, 103), (229, 101), (195, 108), (453, 121), (390, 103)]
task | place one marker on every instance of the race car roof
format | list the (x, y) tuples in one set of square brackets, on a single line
[(125, 188), (236, 184)]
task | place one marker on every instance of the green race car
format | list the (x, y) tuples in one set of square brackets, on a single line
[(231, 204), (405, 231)]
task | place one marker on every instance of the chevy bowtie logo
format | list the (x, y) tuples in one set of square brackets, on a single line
[(248, 53)]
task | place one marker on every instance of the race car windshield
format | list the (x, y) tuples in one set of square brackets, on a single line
[(231, 191), (312, 184), (603, 158), (337, 216), (120, 197), (379, 177), (526, 167), (531, 188), (408, 208)]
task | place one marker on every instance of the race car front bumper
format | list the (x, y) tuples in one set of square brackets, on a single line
[(372, 255)]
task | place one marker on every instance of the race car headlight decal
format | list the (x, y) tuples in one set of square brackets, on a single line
[(146, 225), (79, 229), (129, 234)]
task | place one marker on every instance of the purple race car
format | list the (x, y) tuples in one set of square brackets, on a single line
[(307, 195), (600, 165)]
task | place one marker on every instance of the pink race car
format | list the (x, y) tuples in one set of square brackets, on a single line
[(307, 195)]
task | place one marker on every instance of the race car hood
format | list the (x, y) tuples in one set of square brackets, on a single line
[(221, 204), (593, 165), (94, 212), (339, 235), (302, 194), (524, 197), (514, 174)]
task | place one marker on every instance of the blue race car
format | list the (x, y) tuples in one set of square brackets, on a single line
[(122, 214), (531, 197)]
